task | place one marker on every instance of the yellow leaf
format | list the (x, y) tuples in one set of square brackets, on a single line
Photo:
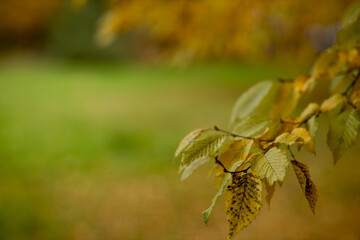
[(298, 135), (332, 102), (235, 151), (300, 83), (306, 184), (242, 201), (354, 58), (288, 124), (233, 156), (329, 64), (309, 111), (355, 99)]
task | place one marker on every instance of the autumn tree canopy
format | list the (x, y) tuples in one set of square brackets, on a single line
[(204, 29)]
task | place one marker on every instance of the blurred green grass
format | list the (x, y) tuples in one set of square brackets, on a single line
[(86, 153), (60, 114)]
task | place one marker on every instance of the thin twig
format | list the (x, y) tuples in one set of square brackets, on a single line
[(284, 80), (227, 171), (347, 90), (291, 153), (240, 136)]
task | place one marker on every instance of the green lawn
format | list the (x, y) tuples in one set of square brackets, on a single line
[(81, 115)]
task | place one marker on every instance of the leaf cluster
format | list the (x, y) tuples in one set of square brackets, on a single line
[(255, 151)]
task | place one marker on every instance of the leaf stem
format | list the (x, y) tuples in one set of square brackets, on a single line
[(240, 136)]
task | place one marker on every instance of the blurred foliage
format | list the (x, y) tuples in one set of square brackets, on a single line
[(202, 29), (26, 17), (173, 30), (72, 32)]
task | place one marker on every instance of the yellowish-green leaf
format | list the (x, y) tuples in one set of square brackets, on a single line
[(266, 105), (249, 101), (188, 139), (285, 101), (251, 126), (343, 132), (202, 147), (310, 110), (242, 201), (269, 193), (306, 184), (332, 102), (312, 125), (271, 165), (352, 14)]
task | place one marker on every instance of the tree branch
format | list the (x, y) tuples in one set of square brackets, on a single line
[(227, 171)]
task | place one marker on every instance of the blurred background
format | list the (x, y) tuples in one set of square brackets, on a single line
[(95, 95)]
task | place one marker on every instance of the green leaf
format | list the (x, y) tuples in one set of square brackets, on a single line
[(207, 212), (249, 101), (242, 201), (343, 132), (203, 147), (251, 126), (303, 175), (342, 82), (349, 36), (352, 14), (188, 139), (313, 126), (335, 82), (332, 102), (271, 165)]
